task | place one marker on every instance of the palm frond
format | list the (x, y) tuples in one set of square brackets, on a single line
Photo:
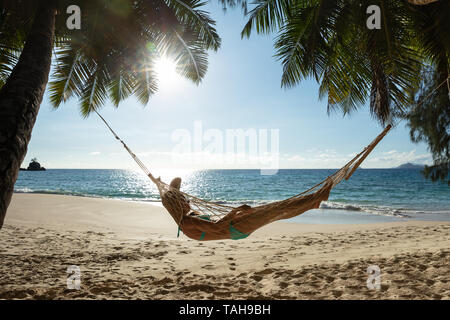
[(121, 87), (145, 84), (198, 20), (94, 93), (267, 16), (188, 53), (70, 74), (8, 59)]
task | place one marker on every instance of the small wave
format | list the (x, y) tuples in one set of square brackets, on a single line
[(90, 195), (23, 190), (340, 206), (381, 210), (58, 192)]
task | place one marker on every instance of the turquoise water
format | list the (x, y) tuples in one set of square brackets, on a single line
[(371, 195)]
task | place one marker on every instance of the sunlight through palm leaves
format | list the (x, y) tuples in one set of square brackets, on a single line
[(102, 61)]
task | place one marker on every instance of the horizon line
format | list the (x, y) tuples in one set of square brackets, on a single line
[(397, 167)]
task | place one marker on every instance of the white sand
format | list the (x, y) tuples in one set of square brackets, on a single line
[(129, 250)]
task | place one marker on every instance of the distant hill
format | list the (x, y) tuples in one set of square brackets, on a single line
[(410, 165)]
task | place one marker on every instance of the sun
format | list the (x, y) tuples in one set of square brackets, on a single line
[(166, 71)]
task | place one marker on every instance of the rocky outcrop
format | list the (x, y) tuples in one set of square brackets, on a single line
[(34, 166)]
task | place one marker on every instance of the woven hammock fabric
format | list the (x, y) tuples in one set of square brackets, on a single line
[(206, 220)]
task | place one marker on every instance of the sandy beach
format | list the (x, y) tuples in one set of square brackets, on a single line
[(130, 250)]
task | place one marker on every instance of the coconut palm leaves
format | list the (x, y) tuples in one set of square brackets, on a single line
[(114, 54), (267, 16), (330, 42), (11, 39), (8, 58)]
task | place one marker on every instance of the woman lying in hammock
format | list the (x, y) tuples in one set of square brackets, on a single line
[(198, 226), (240, 222)]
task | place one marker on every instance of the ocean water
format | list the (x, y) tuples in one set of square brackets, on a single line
[(371, 195)]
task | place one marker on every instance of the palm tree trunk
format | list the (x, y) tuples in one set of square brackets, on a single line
[(421, 2), (21, 97)]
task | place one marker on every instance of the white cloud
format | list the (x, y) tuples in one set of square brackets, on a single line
[(395, 158), (330, 158)]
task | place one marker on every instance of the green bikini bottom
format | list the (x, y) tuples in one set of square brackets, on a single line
[(235, 234)]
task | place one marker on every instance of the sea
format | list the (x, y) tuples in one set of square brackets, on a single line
[(371, 195)]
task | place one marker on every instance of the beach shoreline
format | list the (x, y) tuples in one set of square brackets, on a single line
[(130, 250)]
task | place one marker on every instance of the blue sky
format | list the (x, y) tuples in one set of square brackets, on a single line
[(240, 91)]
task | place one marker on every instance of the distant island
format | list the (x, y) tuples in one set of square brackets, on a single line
[(33, 166), (410, 165)]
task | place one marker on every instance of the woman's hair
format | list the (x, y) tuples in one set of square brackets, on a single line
[(176, 183)]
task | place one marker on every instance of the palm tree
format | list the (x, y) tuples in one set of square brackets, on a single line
[(329, 41), (112, 56)]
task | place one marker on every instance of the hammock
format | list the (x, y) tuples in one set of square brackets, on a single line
[(205, 220)]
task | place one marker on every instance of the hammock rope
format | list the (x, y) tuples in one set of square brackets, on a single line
[(204, 220), (135, 158)]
